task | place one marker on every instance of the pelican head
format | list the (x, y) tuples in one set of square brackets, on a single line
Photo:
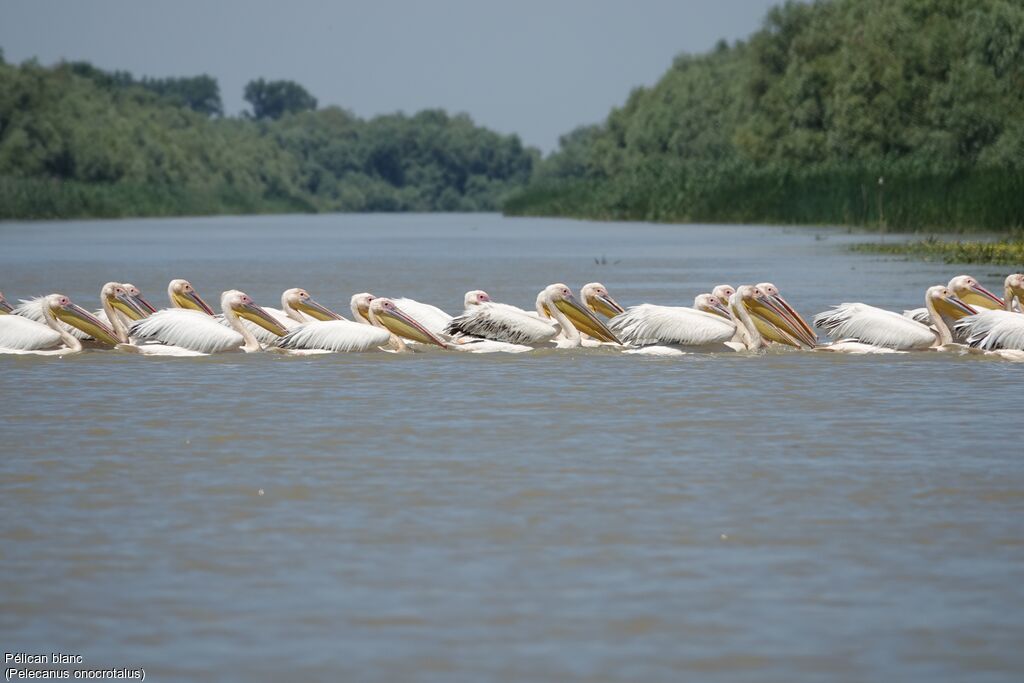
[(724, 293), (400, 323), (361, 306), (804, 332), (767, 315), (136, 294), (598, 300), (1013, 286), (242, 305), (709, 303), (475, 297), (117, 296), (968, 290), (947, 303), (300, 300), (4, 306), (561, 297), (61, 308), (183, 295)]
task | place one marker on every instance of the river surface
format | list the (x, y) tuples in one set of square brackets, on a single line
[(557, 516)]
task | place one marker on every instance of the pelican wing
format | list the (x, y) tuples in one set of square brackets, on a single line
[(188, 329), (33, 310), (431, 317), (993, 329), (875, 326), (650, 324), (337, 336), (499, 322), (18, 333), (921, 315)]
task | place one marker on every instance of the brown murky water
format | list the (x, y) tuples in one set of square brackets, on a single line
[(561, 516)]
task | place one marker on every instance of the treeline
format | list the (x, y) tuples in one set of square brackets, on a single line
[(899, 113), (79, 141)]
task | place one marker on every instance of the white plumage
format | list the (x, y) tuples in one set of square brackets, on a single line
[(32, 309), (502, 323), (335, 336), (651, 324), (431, 317), (263, 336), (22, 335), (184, 329), (991, 330), (875, 326)]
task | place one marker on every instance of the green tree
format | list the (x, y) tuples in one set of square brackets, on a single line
[(274, 99)]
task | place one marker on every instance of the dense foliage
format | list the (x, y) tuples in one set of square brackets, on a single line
[(274, 99), (906, 113), (78, 141)]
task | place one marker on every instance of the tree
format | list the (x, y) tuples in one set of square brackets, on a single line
[(274, 99)]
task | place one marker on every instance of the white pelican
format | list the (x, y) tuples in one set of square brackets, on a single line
[(595, 296), (117, 306), (709, 303), (180, 332), (4, 306), (860, 328), (389, 315), (968, 290), (430, 317), (297, 308), (340, 336), (804, 336), (668, 330), (20, 335), (380, 325), (998, 331), (724, 293), (504, 323), (183, 295)]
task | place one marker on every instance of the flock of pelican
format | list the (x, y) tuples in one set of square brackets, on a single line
[(961, 315)]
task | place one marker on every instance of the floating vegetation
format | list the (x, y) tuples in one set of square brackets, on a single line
[(1007, 252)]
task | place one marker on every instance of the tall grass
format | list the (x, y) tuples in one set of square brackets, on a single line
[(906, 199), (33, 198)]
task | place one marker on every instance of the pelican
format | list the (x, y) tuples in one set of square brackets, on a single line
[(297, 308), (804, 336), (430, 317), (469, 344), (860, 328), (998, 331), (380, 325), (20, 335), (340, 336), (178, 332), (968, 290), (724, 293), (183, 295), (117, 305), (5, 307), (709, 303), (595, 296), (504, 323), (388, 314), (668, 330)]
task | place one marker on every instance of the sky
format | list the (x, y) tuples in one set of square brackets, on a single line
[(532, 67)]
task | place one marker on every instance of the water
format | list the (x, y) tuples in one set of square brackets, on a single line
[(564, 516)]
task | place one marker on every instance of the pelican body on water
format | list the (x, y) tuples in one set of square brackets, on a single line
[(960, 316)]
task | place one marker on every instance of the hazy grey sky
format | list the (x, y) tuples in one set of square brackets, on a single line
[(533, 67)]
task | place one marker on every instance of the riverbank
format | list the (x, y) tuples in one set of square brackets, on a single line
[(1006, 252), (896, 197)]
